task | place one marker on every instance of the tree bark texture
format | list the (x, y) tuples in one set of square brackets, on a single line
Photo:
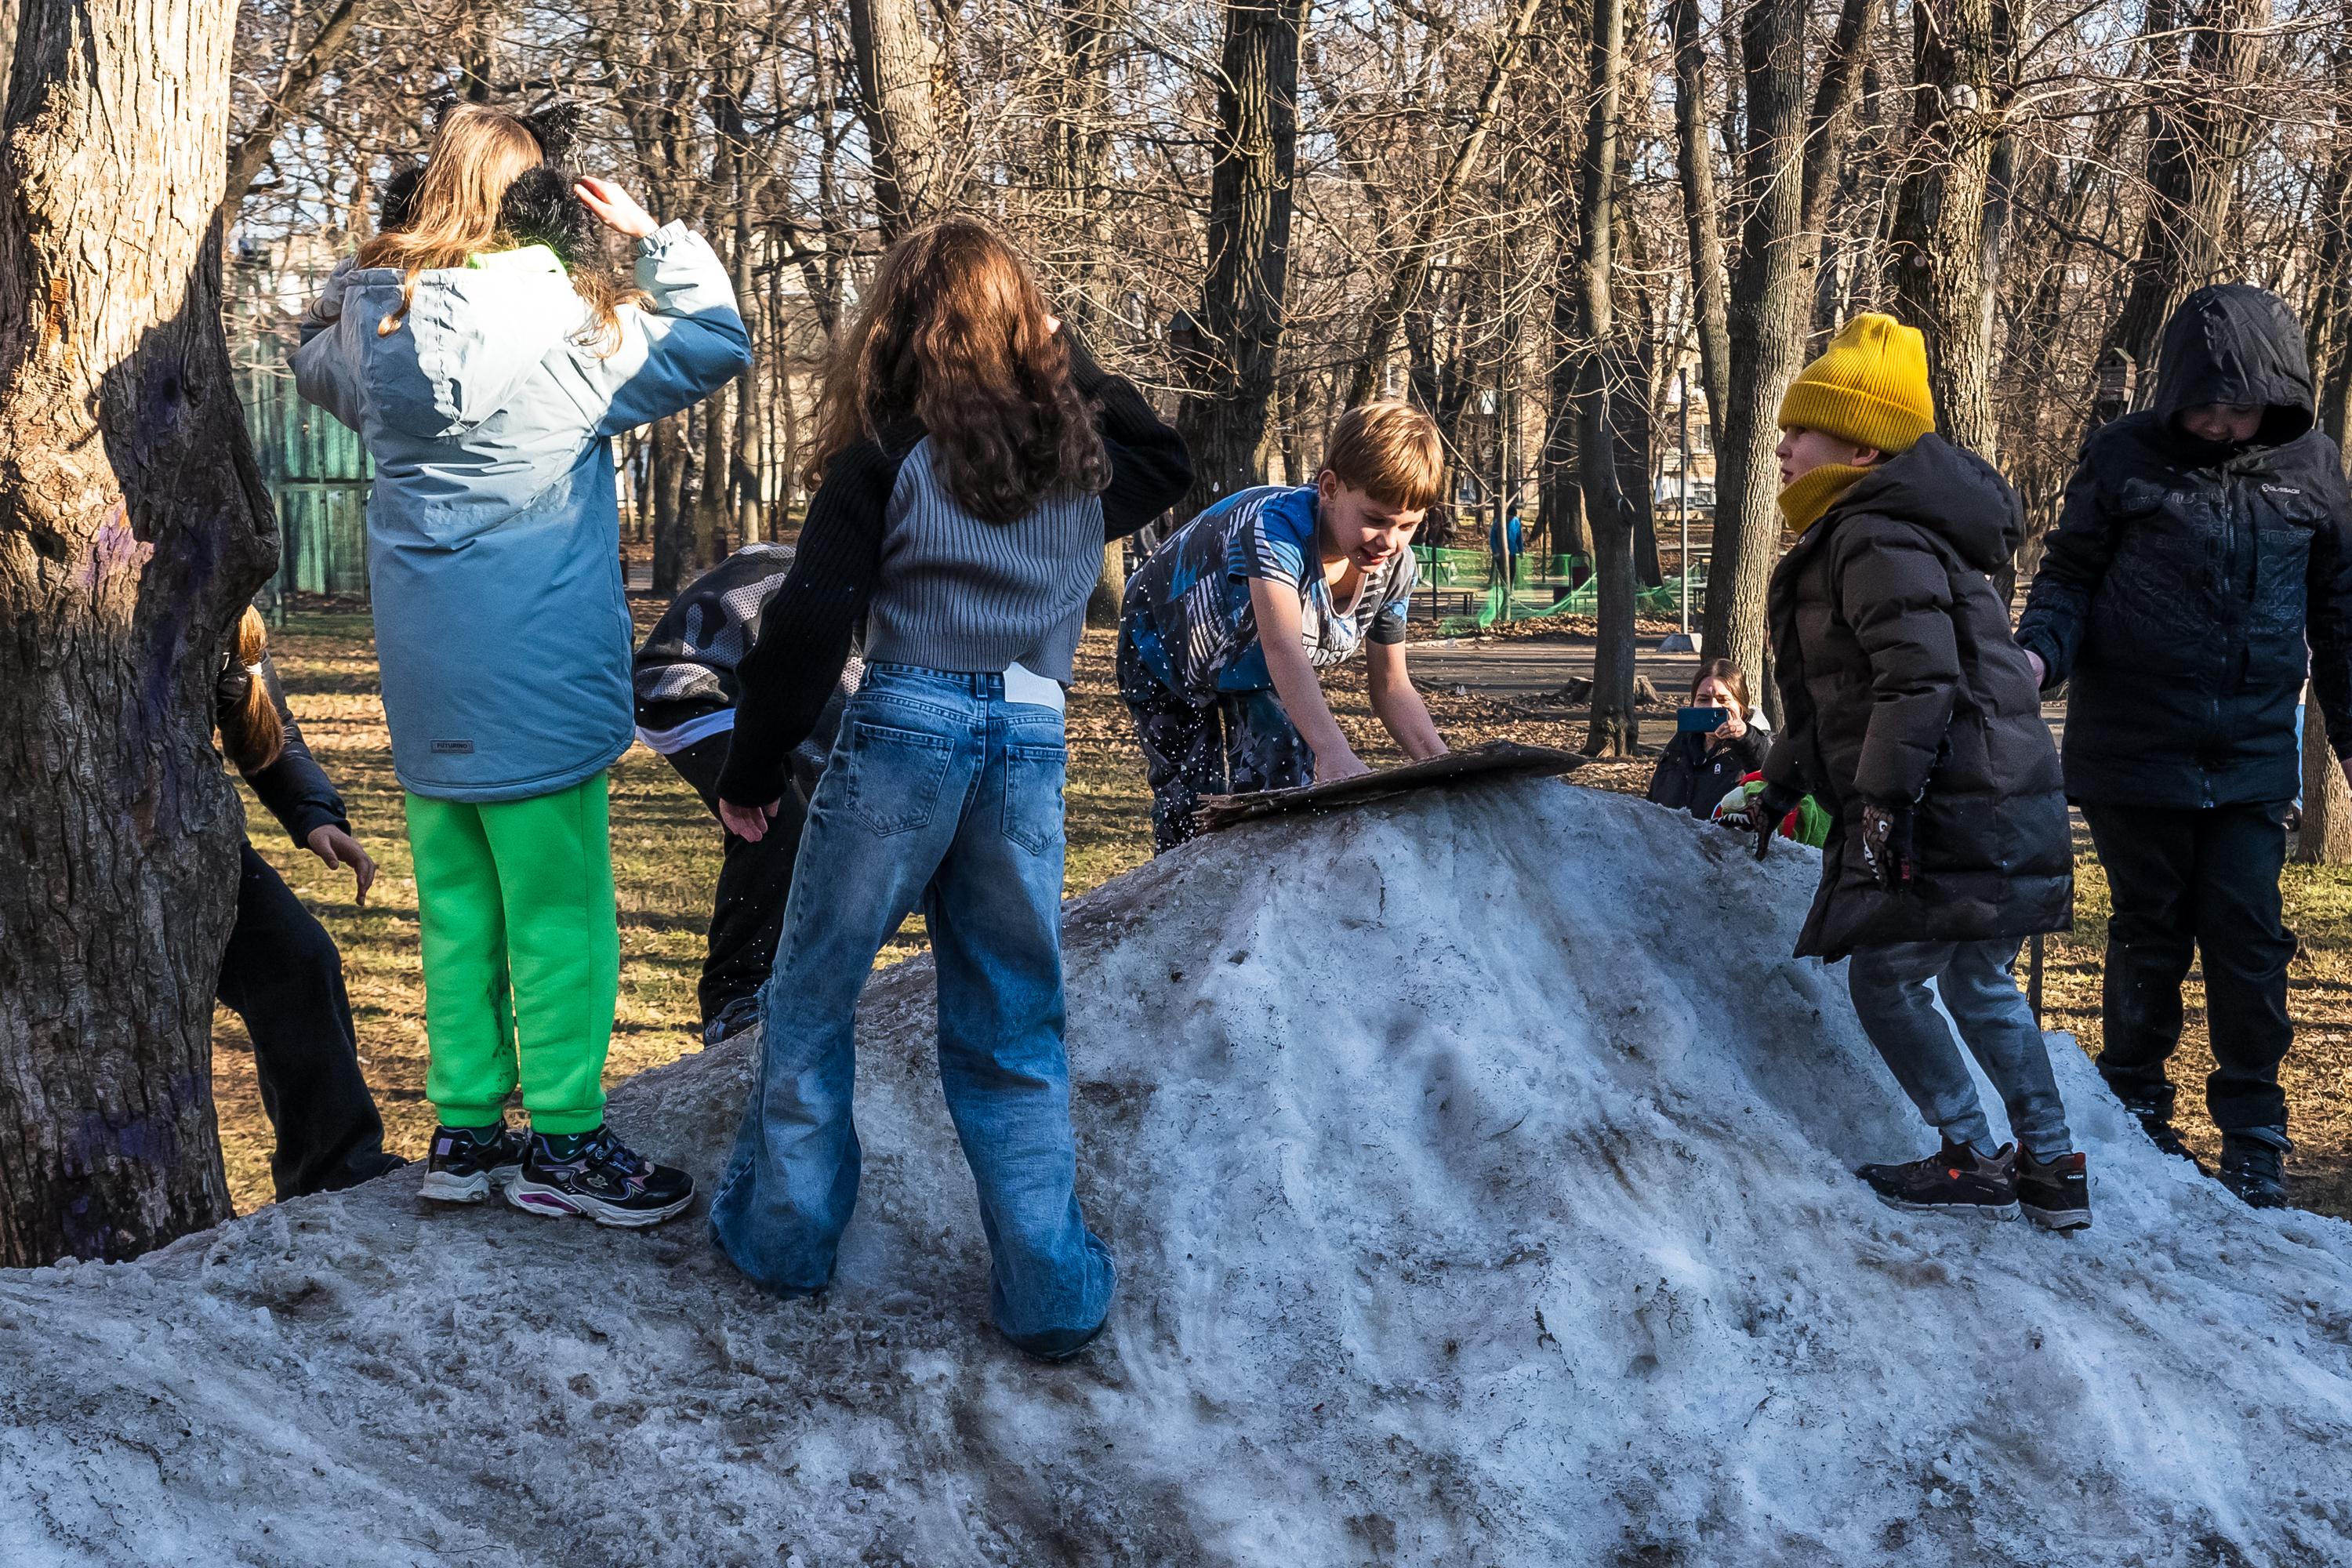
[(133, 529), (2198, 136), (1938, 261), (1232, 375), (1770, 305), (2325, 836), (1615, 724), (1696, 158), (897, 66)]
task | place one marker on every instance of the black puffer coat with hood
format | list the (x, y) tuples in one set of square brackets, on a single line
[(1901, 687), (2184, 578)]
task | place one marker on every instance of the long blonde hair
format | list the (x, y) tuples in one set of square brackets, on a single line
[(478, 153), (251, 734)]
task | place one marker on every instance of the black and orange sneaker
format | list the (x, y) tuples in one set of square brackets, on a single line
[(467, 1164), (1954, 1179), (2056, 1196), (595, 1175)]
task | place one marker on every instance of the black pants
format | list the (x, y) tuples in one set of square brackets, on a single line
[(2207, 880), (747, 916), (282, 975)]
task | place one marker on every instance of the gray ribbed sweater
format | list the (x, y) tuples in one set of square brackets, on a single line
[(958, 592)]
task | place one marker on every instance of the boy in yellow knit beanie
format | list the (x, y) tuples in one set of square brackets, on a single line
[(1910, 713)]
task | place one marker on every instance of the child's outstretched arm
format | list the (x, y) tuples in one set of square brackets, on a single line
[(1149, 468), (1279, 636), (1398, 705), (686, 343)]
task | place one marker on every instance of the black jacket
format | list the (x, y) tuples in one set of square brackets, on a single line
[(1901, 687), (294, 788), (1694, 772), (2183, 580)]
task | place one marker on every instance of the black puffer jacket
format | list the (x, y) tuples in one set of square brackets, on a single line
[(1696, 772), (1901, 687), (2183, 579)]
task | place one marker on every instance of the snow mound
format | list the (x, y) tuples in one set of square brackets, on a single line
[(1475, 1164)]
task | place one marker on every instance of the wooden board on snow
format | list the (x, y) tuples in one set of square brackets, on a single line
[(1496, 757)]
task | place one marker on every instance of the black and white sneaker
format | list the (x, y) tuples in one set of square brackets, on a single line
[(1954, 1179), (738, 1016), (2056, 1196), (464, 1164), (594, 1173)]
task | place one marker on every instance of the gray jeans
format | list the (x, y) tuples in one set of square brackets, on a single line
[(1898, 1010)]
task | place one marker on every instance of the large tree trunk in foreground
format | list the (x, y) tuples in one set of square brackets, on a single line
[(1769, 306), (1231, 372), (2326, 836), (132, 529)]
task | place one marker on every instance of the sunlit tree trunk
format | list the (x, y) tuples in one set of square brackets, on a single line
[(133, 529)]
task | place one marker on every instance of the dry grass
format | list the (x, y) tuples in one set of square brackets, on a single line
[(665, 860)]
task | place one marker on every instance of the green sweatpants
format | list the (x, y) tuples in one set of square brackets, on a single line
[(522, 954)]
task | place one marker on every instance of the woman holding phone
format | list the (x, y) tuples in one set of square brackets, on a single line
[(1716, 744)]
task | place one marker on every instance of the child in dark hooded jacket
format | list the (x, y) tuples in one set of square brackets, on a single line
[(2199, 566), (1911, 713)]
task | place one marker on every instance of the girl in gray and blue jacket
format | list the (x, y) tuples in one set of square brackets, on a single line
[(487, 375)]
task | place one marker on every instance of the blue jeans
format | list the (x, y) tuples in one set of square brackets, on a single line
[(1889, 986), (940, 792)]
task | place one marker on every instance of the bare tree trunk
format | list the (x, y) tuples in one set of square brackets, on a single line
[(1768, 306), (1700, 216), (672, 547), (1615, 725), (2326, 836), (896, 66), (1231, 372), (2197, 138), (132, 529), (1939, 262)]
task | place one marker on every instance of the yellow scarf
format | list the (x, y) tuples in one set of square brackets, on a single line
[(1804, 502)]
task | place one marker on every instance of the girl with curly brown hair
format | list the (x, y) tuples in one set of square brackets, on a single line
[(971, 462)]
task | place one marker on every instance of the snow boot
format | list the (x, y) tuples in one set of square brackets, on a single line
[(2057, 1196), (2155, 1119), (465, 1165), (594, 1173), (1953, 1180), (2254, 1165)]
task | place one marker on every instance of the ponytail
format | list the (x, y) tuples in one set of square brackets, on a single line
[(251, 734)]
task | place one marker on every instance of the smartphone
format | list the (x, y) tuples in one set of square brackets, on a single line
[(1704, 720)]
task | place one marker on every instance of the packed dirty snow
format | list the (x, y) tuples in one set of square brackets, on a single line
[(1475, 1164)]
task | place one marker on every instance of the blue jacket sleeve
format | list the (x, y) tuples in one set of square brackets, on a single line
[(686, 343)]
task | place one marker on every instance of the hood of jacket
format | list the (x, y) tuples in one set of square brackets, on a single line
[(1951, 493), (471, 337), (2233, 343)]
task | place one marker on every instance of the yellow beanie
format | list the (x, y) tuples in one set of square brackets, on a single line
[(1869, 387)]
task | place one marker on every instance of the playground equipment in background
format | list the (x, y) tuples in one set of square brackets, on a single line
[(1541, 586)]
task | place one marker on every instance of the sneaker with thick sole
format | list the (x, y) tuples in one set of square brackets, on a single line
[(2253, 1166), (465, 1166), (595, 1175), (2056, 1196), (1953, 1180)]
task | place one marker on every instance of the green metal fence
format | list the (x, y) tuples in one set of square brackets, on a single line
[(1463, 581)]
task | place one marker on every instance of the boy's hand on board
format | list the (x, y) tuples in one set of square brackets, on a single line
[(1345, 765), (749, 823), (614, 207), (337, 847)]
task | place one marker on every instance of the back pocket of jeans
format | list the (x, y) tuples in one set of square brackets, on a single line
[(1034, 777), (894, 776)]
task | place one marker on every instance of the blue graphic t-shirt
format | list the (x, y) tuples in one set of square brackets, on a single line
[(1197, 631)]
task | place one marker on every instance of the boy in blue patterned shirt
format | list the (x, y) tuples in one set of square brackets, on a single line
[(1225, 630)]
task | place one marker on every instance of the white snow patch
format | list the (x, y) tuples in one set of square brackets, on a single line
[(1476, 1165)]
